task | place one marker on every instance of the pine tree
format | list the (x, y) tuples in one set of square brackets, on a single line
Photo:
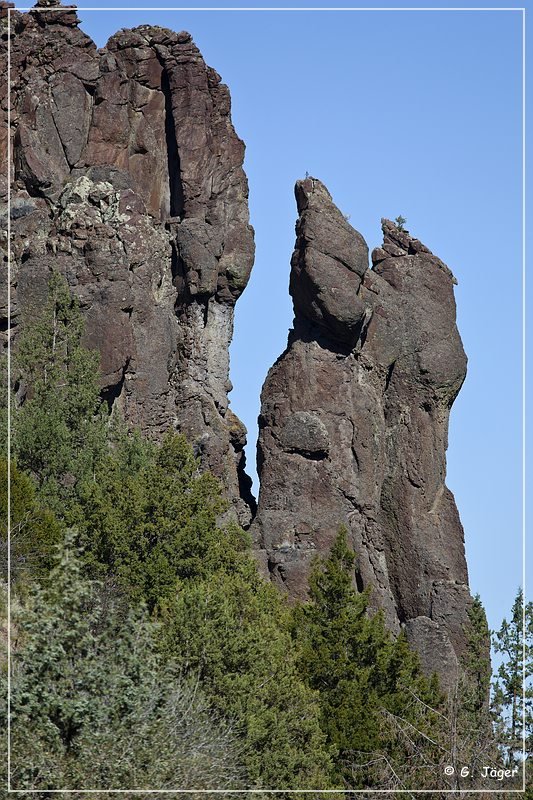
[(366, 679), (513, 721), (59, 432)]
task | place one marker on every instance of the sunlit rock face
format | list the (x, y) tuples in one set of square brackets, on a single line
[(127, 178), (354, 422)]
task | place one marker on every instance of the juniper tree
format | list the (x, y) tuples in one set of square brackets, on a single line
[(232, 628), (34, 528), (476, 661), (151, 520), (93, 706), (400, 222), (150, 517)]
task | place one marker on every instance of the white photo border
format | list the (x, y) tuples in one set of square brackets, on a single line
[(9, 179)]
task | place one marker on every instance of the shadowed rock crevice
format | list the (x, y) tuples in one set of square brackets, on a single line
[(110, 394), (173, 159), (388, 377)]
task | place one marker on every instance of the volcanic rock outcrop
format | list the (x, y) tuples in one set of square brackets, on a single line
[(127, 178), (353, 427)]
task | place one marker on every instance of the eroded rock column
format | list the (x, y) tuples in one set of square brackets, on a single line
[(353, 426)]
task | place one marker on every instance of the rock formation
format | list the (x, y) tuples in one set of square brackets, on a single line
[(127, 178), (353, 426)]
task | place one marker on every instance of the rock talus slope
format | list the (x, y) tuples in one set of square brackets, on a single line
[(353, 426), (127, 178)]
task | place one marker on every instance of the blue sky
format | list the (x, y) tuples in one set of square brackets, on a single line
[(399, 112)]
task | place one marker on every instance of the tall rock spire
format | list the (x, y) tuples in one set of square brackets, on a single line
[(353, 426)]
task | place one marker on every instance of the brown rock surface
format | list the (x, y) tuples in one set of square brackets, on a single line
[(354, 421), (127, 177)]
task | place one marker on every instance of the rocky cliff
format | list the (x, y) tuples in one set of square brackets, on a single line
[(127, 178), (354, 421)]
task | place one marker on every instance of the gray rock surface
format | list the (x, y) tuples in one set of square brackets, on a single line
[(127, 177), (354, 422)]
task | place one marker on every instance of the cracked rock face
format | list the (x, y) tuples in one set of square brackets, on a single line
[(353, 427), (127, 178)]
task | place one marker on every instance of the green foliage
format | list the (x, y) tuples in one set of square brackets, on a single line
[(365, 677), (34, 529), (149, 517), (94, 707), (400, 222), (148, 521), (58, 432), (321, 696), (476, 666), (232, 629), (515, 643)]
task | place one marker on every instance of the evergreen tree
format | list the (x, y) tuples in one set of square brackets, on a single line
[(93, 706), (232, 629), (148, 520), (150, 517), (464, 730), (365, 678), (513, 721), (58, 431), (34, 529), (476, 662)]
